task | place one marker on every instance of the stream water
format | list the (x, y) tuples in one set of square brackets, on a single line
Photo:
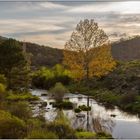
[(114, 121)]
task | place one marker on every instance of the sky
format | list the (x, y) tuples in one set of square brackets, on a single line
[(51, 23)]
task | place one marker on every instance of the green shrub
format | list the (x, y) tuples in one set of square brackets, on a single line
[(62, 129), (84, 108), (63, 104), (41, 134), (48, 77), (77, 110), (33, 124), (102, 135), (20, 109), (58, 92), (3, 79), (2, 91), (128, 98), (21, 97), (85, 135), (11, 126), (2, 88)]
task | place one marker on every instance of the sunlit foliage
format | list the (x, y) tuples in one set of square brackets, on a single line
[(82, 49), (48, 77)]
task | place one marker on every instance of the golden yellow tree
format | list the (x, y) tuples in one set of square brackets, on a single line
[(87, 53), (102, 62)]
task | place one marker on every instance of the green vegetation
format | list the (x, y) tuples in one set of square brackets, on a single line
[(58, 92), (11, 126), (119, 88), (41, 134), (85, 108), (63, 104), (77, 110), (82, 108), (20, 109), (102, 135), (48, 77), (91, 135), (21, 97), (14, 64), (85, 135)]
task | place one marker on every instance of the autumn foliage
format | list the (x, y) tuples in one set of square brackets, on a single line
[(102, 62), (88, 52)]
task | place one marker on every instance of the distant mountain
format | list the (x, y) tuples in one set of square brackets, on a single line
[(2, 39), (44, 55), (123, 50), (127, 50)]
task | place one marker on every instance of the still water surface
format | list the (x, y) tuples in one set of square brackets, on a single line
[(116, 122)]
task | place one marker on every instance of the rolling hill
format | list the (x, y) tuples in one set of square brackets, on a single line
[(127, 50), (123, 50)]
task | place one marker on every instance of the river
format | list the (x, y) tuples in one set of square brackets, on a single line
[(119, 124)]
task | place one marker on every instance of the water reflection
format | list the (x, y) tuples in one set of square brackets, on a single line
[(120, 124)]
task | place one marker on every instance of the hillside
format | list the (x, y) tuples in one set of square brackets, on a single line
[(44, 56), (123, 50), (127, 50)]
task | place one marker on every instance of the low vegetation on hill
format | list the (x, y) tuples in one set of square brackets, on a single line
[(120, 87), (127, 49), (123, 50)]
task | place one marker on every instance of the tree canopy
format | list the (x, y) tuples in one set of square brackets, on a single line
[(81, 51), (13, 63)]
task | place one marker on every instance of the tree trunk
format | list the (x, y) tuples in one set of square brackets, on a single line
[(87, 73)]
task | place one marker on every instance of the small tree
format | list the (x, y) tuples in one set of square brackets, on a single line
[(14, 64), (79, 52), (58, 92)]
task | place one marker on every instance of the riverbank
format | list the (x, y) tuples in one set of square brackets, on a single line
[(127, 102), (117, 122)]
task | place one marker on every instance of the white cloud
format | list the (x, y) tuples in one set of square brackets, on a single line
[(50, 5), (51, 23), (119, 7)]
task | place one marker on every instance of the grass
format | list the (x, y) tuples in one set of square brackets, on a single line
[(21, 97), (85, 135)]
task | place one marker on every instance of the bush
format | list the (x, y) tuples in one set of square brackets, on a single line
[(62, 129), (77, 110), (2, 88), (85, 135), (47, 78), (33, 124), (3, 80), (41, 134), (2, 91), (102, 135), (20, 109), (128, 98), (21, 97), (58, 92), (84, 108), (11, 126), (63, 104)]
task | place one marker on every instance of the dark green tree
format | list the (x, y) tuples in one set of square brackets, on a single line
[(14, 64)]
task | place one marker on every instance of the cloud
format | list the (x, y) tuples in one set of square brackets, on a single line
[(51, 23), (50, 5)]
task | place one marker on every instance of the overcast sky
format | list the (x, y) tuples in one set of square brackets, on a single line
[(51, 23)]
